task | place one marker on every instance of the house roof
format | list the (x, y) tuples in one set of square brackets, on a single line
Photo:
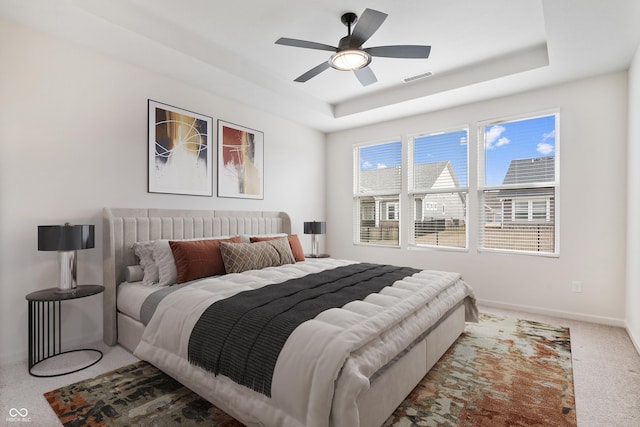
[(425, 177), (532, 170), (527, 171), (379, 179)]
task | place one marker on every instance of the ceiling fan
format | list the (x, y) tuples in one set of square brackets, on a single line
[(350, 55)]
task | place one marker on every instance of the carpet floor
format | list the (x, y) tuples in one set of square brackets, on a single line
[(500, 372)]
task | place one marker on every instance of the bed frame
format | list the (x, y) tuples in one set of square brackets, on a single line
[(123, 226)]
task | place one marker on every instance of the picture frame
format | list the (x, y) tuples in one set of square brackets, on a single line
[(240, 161), (180, 151)]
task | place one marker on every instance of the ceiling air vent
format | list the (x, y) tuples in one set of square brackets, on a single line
[(417, 77)]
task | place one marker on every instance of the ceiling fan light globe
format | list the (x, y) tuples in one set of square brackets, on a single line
[(349, 60)]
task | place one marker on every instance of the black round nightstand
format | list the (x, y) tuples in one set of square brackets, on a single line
[(45, 324)]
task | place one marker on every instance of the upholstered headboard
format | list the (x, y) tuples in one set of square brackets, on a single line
[(123, 227)]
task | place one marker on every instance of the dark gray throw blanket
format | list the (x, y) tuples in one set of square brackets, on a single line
[(242, 336)]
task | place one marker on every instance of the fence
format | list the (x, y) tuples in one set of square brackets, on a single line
[(520, 237), (383, 235), (516, 237)]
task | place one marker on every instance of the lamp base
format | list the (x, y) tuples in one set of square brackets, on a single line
[(317, 256), (67, 271)]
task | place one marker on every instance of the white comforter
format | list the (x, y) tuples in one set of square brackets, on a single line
[(325, 364)]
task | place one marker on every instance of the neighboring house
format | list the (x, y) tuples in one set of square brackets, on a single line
[(383, 210), (450, 207), (380, 210), (531, 205)]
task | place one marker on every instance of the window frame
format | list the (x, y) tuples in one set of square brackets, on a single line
[(438, 208), (383, 195), (482, 188)]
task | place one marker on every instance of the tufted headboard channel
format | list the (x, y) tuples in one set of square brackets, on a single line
[(123, 227)]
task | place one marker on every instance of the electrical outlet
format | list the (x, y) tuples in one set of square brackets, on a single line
[(576, 286)]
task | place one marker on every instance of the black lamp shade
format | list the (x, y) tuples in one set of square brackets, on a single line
[(315, 227), (65, 237)]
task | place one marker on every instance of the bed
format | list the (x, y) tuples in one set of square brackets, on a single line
[(388, 340)]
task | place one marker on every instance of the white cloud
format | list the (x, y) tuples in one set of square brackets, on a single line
[(502, 141), (548, 135), (495, 134), (367, 165), (545, 148)]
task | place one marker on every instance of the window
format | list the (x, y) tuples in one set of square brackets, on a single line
[(392, 210), (377, 185), (438, 187), (518, 185)]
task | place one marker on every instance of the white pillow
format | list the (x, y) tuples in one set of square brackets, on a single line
[(133, 273), (163, 257), (144, 252)]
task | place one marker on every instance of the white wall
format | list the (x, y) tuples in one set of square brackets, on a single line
[(593, 150), (633, 212), (73, 133)]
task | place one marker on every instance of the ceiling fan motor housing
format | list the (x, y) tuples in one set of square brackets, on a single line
[(349, 19), (344, 43)]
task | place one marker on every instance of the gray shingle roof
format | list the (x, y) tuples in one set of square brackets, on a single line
[(380, 179), (425, 176), (537, 169), (532, 170)]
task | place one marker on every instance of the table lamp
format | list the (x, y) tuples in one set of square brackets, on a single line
[(314, 228), (66, 239)]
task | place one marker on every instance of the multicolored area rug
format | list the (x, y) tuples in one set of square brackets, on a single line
[(500, 372)]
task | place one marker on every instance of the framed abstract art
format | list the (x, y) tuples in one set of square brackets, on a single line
[(180, 151), (240, 161)]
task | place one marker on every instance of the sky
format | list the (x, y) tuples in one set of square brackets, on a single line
[(522, 139), (380, 156), (503, 142)]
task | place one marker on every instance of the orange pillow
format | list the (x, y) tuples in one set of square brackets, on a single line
[(294, 242), (195, 259)]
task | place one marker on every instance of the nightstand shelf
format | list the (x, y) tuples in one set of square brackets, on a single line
[(45, 324)]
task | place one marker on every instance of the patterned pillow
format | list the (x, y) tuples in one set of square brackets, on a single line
[(239, 257), (294, 243)]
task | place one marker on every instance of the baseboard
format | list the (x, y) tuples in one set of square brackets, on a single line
[(634, 340), (610, 321)]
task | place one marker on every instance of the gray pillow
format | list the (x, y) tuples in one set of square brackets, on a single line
[(239, 257)]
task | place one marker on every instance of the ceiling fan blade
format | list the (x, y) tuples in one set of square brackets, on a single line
[(367, 24), (313, 72), (400, 51), (305, 44), (366, 76)]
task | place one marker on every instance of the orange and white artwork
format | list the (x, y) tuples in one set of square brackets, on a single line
[(240, 161)]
